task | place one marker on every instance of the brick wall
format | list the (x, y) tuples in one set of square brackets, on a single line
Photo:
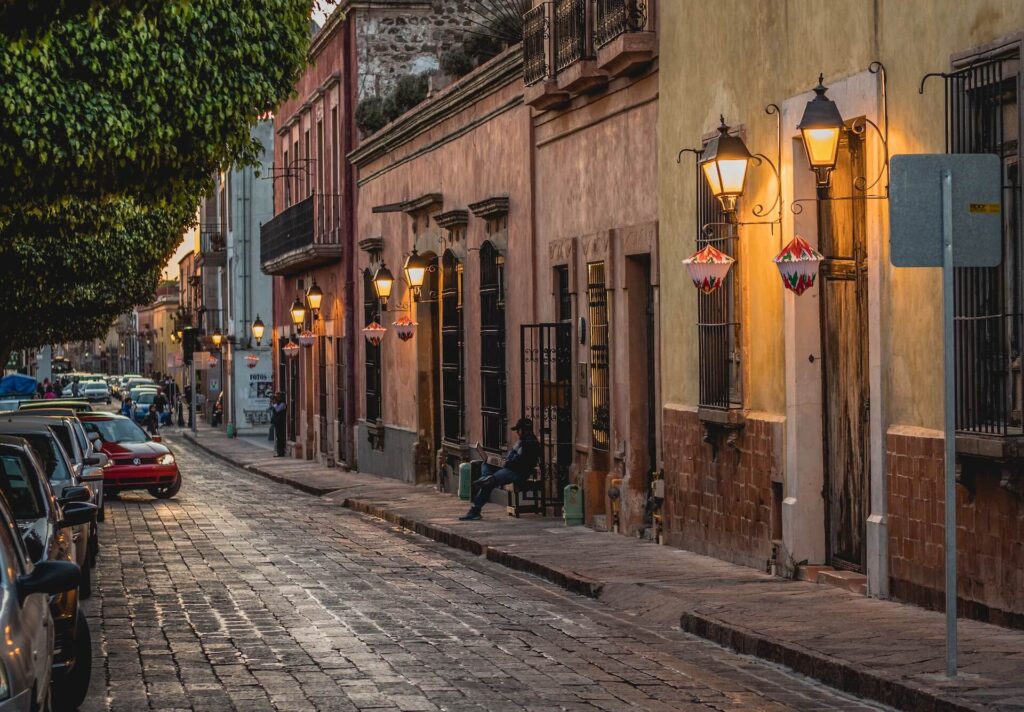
[(990, 533), (720, 507)]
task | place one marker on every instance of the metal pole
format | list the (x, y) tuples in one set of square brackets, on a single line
[(192, 400), (948, 364)]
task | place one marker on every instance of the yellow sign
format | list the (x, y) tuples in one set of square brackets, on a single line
[(987, 208)]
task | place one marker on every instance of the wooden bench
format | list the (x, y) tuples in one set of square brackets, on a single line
[(525, 497)]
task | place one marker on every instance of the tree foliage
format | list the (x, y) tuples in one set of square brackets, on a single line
[(375, 112), (116, 115)]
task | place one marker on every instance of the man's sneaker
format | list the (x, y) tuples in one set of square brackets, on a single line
[(470, 516)]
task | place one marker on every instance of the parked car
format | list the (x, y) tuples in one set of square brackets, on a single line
[(142, 401), (25, 589), (79, 405), (87, 460), (96, 392), (43, 522), (61, 475), (137, 461)]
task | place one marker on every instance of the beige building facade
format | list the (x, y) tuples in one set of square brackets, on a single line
[(806, 429)]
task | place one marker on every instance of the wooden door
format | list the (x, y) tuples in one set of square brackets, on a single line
[(845, 362)]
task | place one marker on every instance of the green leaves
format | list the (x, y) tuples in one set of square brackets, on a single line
[(116, 115)]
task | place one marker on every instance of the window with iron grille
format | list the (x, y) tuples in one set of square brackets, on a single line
[(322, 394), (452, 364), (340, 374), (617, 17), (371, 313), (717, 325), (287, 181), (492, 347), (572, 40), (600, 326), (564, 295), (983, 116), (535, 36), (292, 402)]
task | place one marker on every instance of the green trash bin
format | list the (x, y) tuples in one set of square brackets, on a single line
[(572, 510), (230, 430), (465, 480)]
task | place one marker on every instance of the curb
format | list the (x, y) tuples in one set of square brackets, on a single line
[(830, 671)]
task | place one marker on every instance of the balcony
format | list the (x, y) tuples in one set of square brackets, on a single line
[(213, 239), (305, 235), (573, 47)]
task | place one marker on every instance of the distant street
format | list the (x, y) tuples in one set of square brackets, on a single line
[(242, 594)]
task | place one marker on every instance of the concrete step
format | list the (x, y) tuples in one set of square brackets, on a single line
[(849, 580)]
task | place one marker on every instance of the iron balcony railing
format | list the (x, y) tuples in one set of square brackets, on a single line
[(572, 35), (536, 32), (212, 237), (617, 17), (316, 220)]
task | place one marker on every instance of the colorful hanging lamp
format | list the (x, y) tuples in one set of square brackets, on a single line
[(306, 338), (798, 264), (252, 360), (708, 268), (212, 362), (405, 328), (291, 349), (374, 333)]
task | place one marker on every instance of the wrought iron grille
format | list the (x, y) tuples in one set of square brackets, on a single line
[(289, 230), (571, 34), (717, 326), (340, 374), (492, 347), (213, 237), (983, 116), (564, 295), (546, 392), (293, 397), (597, 298), (322, 393), (617, 17), (371, 313), (536, 32), (452, 364)]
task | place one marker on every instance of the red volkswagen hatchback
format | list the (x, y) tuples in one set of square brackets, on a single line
[(137, 461)]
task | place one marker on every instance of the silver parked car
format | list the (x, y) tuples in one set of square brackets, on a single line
[(26, 649)]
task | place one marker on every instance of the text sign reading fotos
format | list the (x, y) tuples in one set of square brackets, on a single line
[(915, 210)]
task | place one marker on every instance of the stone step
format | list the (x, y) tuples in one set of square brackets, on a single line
[(850, 580)]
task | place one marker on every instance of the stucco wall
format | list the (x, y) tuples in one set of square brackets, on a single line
[(736, 56)]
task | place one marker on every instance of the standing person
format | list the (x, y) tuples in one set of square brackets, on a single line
[(277, 419), (76, 389), (160, 401), (126, 407), (49, 395), (42, 387), (520, 463)]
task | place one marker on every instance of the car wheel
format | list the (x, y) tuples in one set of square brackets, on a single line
[(69, 689), (44, 705), (94, 549), (168, 491)]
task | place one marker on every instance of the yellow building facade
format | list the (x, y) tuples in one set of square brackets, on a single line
[(805, 430)]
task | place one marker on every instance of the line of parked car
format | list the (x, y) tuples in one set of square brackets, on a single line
[(59, 461)]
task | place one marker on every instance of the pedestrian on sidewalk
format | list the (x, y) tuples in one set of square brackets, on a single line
[(277, 419), (520, 462), (152, 421)]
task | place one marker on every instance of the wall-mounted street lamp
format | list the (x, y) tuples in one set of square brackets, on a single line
[(820, 129), (258, 329), (298, 310), (383, 283), (724, 162), (217, 338), (415, 272), (314, 297)]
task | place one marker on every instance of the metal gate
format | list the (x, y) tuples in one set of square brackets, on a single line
[(546, 372)]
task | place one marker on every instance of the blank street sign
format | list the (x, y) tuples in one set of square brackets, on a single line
[(915, 210)]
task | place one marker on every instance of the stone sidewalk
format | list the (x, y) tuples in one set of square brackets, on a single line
[(882, 650)]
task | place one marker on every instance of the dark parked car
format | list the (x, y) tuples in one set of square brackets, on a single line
[(78, 406), (26, 648), (44, 523), (60, 473)]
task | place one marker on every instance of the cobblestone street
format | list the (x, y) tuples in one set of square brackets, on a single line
[(244, 594)]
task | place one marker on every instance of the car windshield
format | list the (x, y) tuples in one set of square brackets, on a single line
[(95, 386), (50, 454), (15, 481), (146, 398), (116, 431)]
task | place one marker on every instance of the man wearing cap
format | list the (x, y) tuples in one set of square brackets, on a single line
[(520, 463)]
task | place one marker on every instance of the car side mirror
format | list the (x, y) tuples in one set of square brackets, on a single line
[(75, 493), (77, 513), (49, 577), (91, 461)]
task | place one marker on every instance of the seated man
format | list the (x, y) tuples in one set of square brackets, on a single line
[(520, 463)]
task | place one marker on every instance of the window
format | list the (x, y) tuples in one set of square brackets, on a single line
[(564, 295), (293, 169), (340, 373), (597, 299), (17, 486), (452, 365), (293, 397), (287, 181), (371, 310), (307, 169), (983, 116), (321, 180), (321, 362), (492, 347), (717, 327)]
